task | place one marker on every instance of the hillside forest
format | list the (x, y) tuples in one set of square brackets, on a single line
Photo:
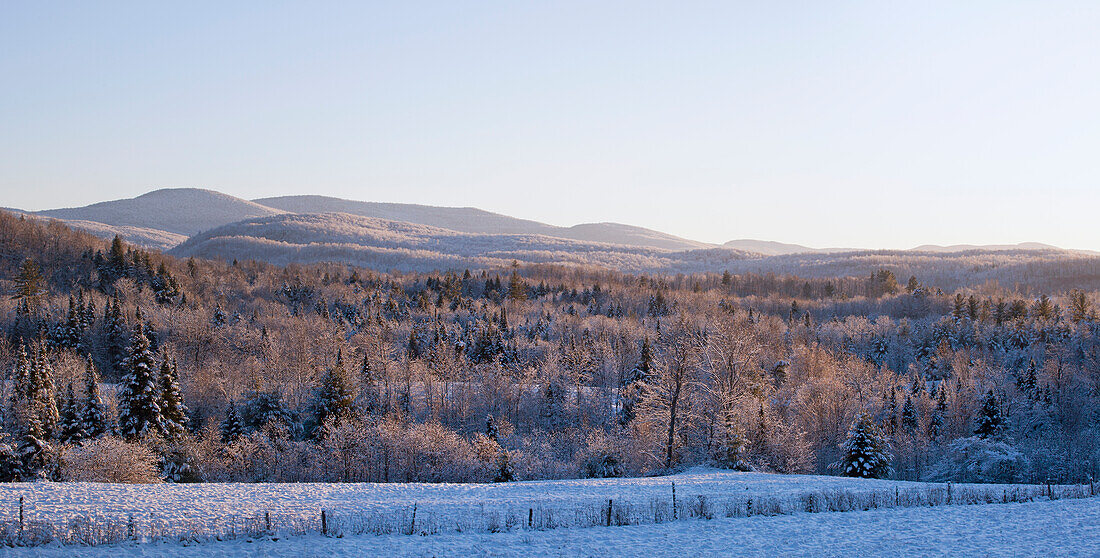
[(120, 363)]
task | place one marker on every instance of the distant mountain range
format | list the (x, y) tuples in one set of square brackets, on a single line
[(197, 222)]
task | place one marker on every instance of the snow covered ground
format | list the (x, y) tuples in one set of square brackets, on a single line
[(459, 518), (1057, 528)]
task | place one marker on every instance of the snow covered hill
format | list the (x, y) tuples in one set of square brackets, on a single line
[(472, 220), (181, 211), (386, 244)]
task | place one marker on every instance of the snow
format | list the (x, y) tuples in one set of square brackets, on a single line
[(459, 517), (1042, 528)]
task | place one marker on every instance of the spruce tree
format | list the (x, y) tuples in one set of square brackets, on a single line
[(231, 427), (139, 410), (491, 430), (335, 399), (72, 428), (92, 414), (866, 450), (43, 392), (731, 450), (34, 447), (991, 421), (909, 419), (172, 409)]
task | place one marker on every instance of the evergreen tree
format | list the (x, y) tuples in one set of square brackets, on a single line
[(72, 428), (491, 428), (92, 414), (29, 284), (731, 451), (231, 427), (43, 392), (866, 450), (991, 421), (335, 399), (630, 393), (139, 411), (171, 399), (909, 419), (504, 472), (35, 451), (939, 415), (11, 467), (517, 289)]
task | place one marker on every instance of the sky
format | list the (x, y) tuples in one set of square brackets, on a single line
[(848, 124)]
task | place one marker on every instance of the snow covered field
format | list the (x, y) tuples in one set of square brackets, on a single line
[(492, 518), (1057, 528)]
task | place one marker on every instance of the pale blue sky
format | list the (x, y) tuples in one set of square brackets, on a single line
[(865, 124)]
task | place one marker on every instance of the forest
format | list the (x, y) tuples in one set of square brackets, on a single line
[(122, 364)]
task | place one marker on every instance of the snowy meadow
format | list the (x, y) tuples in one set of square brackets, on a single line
[(90, 514)]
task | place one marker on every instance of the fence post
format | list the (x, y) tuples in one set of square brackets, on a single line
[(609, 512), (674, 501), (324, 523), (949, 493), (267, 521), (897, 497), (412, 524), (20, 517), (530, 517)]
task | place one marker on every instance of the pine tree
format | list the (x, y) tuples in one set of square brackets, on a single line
[(939, 415), (92, 414), (171, 399), (909, 419), (231, 427), (43, 392), (517, 289), (139, 412), (504, 472), (29, 284), (731, 451), (72, 428), (491, 428), (991, 421), (866, 450), (34, 448), (11, 467), (335, 399)]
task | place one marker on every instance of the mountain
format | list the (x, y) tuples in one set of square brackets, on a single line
[(985, 248), (181, 211), (386, 244), (770, 247), (472, 220)]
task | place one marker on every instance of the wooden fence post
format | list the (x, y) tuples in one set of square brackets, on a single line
[(674, 501), (609, 512), (324, 523)]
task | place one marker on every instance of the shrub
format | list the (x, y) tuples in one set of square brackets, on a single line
[(978, 459), (109, 459)]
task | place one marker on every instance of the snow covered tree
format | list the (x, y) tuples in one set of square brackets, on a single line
[(504, 470), (72, 428), (139, 411), (11, 467), (866, 450), (231, 427), (909, 420), (491, 428), (335, 398), (92, 415), (630, 392), (732, 448), (172, 409), (991, 421), (35, 451)]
